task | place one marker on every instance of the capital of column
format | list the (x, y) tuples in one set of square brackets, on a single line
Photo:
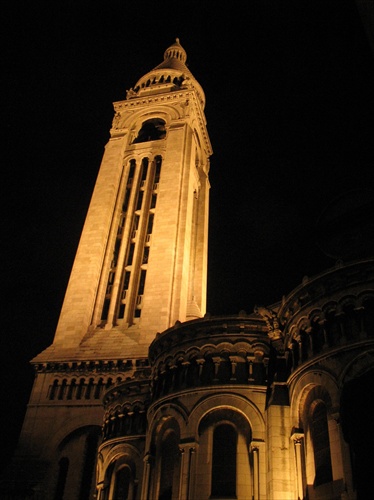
[(148, 458), (297, 435), (255, 445)]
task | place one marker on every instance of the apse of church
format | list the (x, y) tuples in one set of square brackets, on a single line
[(143, 395)]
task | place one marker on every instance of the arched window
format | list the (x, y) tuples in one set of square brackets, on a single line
[(61, 392), (71, 389), (321, 444), (53, 390), (121, 480), (78, 448), (169, 465), (80, 389), (223, 455), (224, 461), (89, 388), (98, 388), (151, 130), (122, 484)]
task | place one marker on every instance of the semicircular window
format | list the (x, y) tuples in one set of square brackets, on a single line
[(151, 130)]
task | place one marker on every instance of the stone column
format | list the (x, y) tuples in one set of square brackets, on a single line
[(256, 473), (234, 362), (200, 362), (297, 438), (185, 365), (217, 362), (250, 369), (181, 470), (190, 476), (146, 477), (99, 489)]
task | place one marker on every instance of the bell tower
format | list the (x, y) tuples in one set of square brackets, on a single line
[(141, 263), (140, 267)]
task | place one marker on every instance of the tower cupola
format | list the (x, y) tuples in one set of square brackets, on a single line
[(171, 75), (174, 56)]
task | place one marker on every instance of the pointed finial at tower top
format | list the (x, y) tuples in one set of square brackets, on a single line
[(177, 40)]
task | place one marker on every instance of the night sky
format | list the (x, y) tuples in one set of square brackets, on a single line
[(289, 87)]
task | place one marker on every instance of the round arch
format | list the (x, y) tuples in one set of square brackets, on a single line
[(233, 402), (307, 382)]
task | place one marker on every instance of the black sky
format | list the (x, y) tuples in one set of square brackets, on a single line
[(290, 112)]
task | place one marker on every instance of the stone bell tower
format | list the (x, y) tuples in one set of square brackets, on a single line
[(141, 266)]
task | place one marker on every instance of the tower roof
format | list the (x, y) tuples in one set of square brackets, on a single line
[(170, 75), (175, 57)]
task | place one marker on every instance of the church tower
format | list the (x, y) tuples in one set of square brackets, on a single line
[(141, 266)]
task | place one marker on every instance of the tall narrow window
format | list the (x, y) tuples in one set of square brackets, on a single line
[(89, 388), (135, 225), (143, 274), (125, 287), (131, 172), (153, 200), (130, 255), (123, 297), (145, 255), (158, 161), (71, 389), (144, 169), (321, 445), (54, 388), (140, 200), (63, 467), (224, 461), (142, 282), (122, 484), (169, 461), (116, 252), (104, 314), (89, 465), (98, 389), (61, 393), (126, 281), (126, 200), (150, 224), (118, 243), (80, 389)]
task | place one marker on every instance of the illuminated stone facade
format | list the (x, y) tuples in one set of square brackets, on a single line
[(144, 396)]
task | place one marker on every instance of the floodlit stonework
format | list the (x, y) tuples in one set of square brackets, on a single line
[(143, 395)]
